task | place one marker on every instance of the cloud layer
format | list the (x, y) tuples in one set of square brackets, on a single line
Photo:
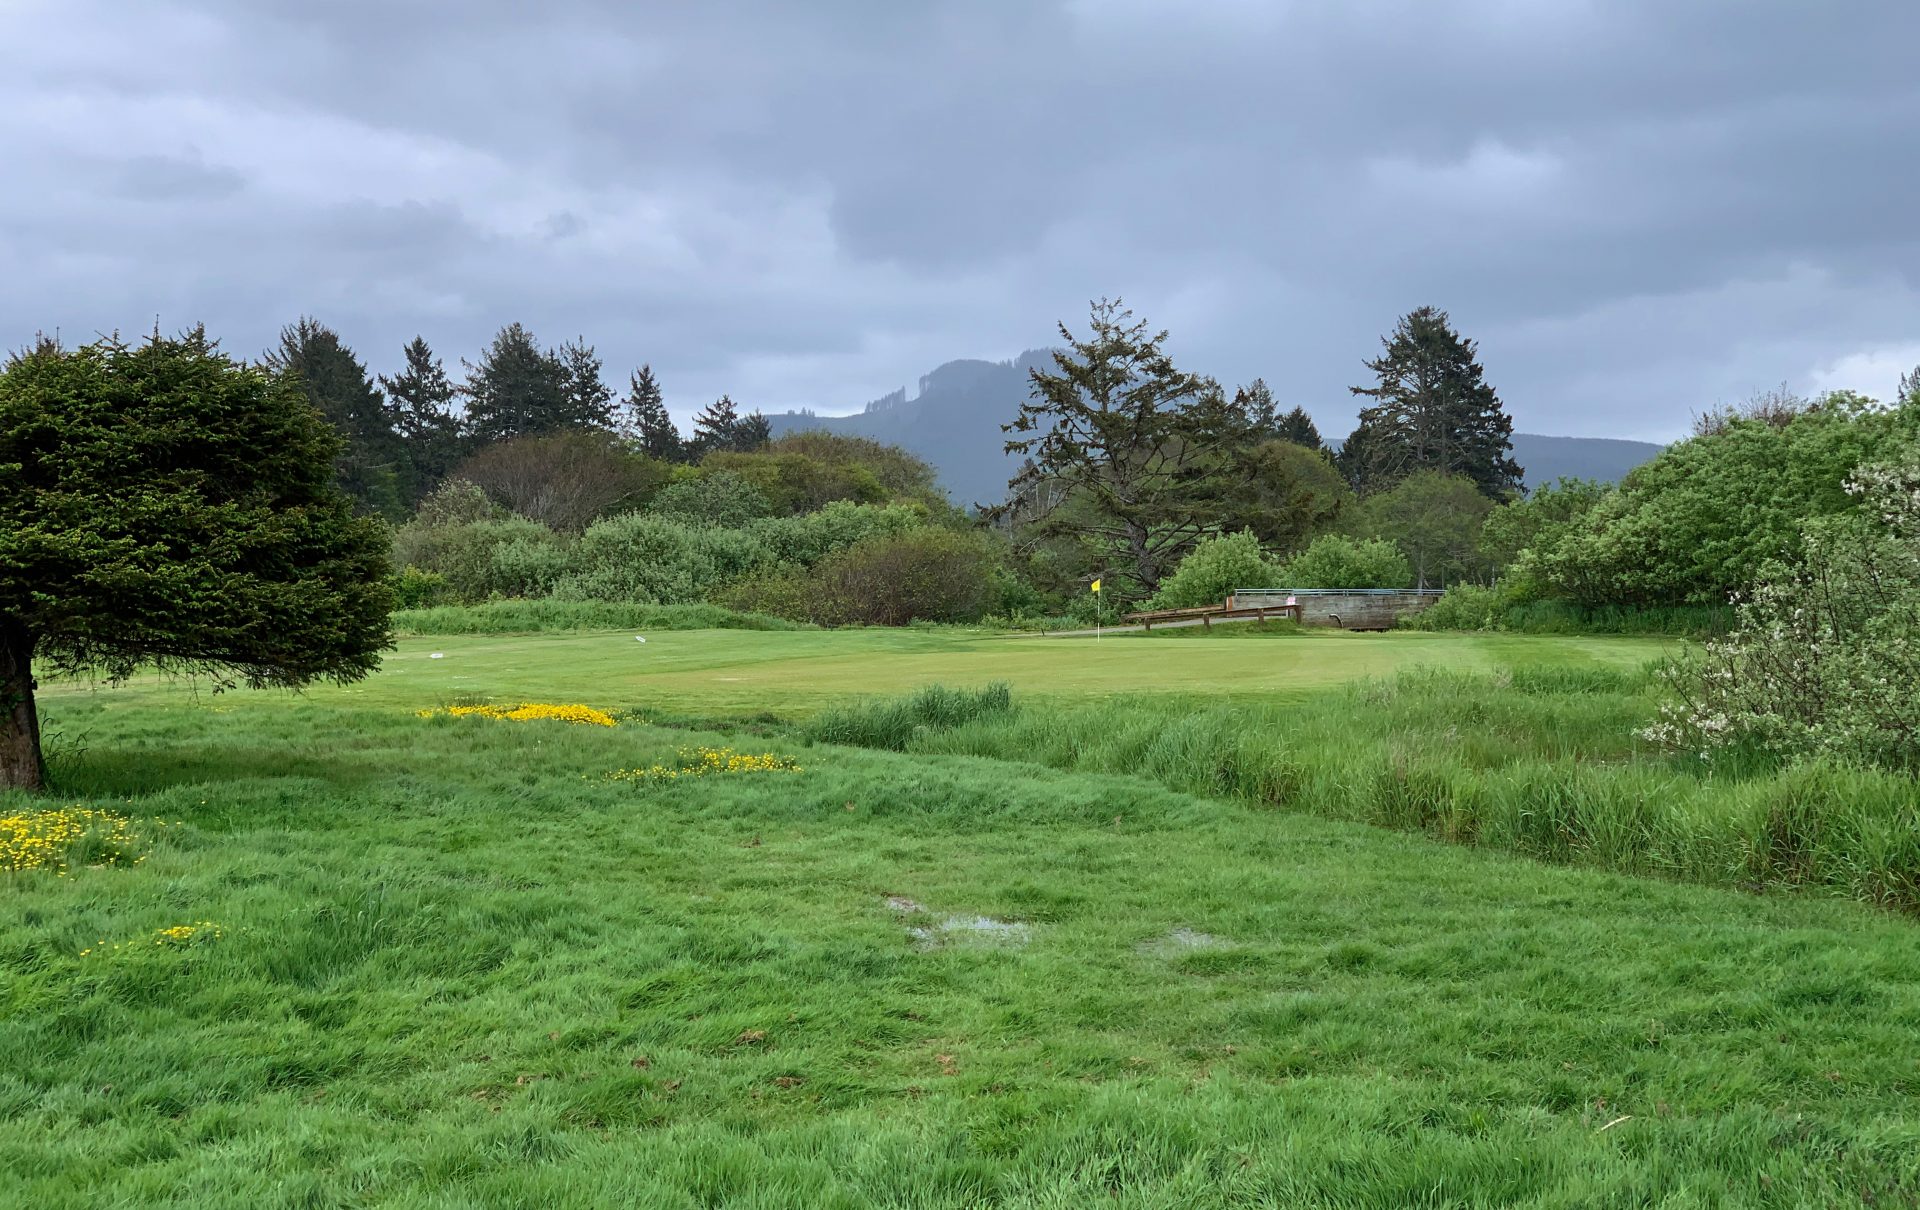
[(1639, 208)]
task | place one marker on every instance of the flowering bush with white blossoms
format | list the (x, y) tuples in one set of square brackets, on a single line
[(1824, 656)]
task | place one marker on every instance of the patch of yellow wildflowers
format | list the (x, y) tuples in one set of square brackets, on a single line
[(174, 936), (51, 840), (706, 762), (528, 712)]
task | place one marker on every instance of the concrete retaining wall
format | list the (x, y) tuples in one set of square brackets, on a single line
[(1360, 609)]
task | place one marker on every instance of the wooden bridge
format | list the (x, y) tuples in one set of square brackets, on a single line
[(1343, 608)]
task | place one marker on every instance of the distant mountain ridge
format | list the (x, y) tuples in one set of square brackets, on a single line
[(954, 423)]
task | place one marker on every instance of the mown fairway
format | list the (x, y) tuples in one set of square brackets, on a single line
[(460, 968), (750, 671)]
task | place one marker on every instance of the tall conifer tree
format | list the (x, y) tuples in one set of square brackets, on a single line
[(714, 427), (1260, 412), (371, 466), (752, 432), (644, 420), (1129, 455), (1298, 427), (1432, 410), (589, 398), (422, 401), (516, 389)]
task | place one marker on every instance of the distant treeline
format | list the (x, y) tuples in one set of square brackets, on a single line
[(404, 434)]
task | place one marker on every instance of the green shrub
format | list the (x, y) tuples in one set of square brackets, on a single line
[(794, 483), (1462, 607), (923, 575), (1336, 561), (414, 588), (455, 502), (650, 559), (718, 498), (1215, 568), (934, 575), (467, 555), (1699, 521), (1824, 656), (804, 540), (528, 567)]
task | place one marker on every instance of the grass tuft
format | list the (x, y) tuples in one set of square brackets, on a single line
[(894, 723)]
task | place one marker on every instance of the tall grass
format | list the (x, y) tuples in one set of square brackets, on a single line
[(894, 723), (535, 616), (1541, 761), (1472, 607)]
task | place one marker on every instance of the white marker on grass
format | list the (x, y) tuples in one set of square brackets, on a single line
[(639, 638), (438, 655)]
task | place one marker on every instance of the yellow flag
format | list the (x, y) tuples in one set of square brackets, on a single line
[(1096, 586)]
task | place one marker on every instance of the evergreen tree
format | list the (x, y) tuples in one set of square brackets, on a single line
[(516, 389), (371, 466), (589, 398), (166, 506), (1360, 460), (421, 397), (1298, 427), (1131, 457), (1258, 410), (714, 428), (751, 433), (644, 420), (1432, 410)]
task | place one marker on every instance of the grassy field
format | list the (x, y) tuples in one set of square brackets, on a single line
[(795, 672), (457, 966)]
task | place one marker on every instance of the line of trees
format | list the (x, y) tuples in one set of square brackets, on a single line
[(404, 434)]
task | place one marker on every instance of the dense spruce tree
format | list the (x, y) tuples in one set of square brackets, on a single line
[(752, 432), (644, 421), (589, 398), (1259, 412), (1131, 456), (715, 427), (1298, 427), (517, 388), (1432, 410), (421, 397), (166, 505), (372, 465)]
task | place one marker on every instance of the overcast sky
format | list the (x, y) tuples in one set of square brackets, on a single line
[(1640, 208)]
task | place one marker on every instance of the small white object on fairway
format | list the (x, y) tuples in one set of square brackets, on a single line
[(438, 655), (639, 638)]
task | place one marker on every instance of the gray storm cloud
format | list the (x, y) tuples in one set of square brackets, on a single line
[(1640, 209)]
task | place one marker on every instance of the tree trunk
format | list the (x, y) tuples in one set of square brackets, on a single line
[(1144, 564), (21, 767)]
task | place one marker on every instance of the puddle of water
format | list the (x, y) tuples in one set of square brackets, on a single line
[(984, 930), (1180, 941)]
